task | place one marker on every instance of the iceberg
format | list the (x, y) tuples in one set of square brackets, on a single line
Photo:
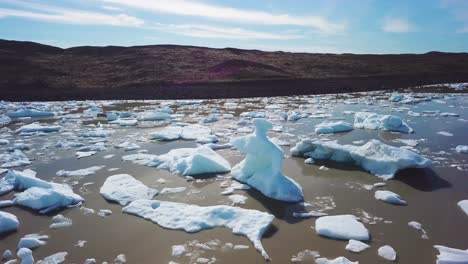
[(192, 218), (8, 222), (261, 168), (185, 161), (36, 127), (329, 127), (375, 157), (451, 255), (38, 194), (29, 113), (341, 227), (389, 197), (189, 132), (123, 188), (365, 120)]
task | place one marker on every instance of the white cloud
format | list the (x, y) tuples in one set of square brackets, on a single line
[(111, 8), (397, 25), (51, 13), (192, 8), (204, 31)]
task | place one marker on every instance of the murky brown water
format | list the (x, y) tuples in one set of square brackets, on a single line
[(431, 194)]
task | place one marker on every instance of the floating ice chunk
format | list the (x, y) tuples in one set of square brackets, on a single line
[(387, 252), (8, 222), (178, 250), (4, 142), (218, 146), (376, 157), (395, 97), (237, 199), (192, 218), (29, 113), (124, 122), (356, 246), (389, 197), (210, 119), (185, 161), (56, 258), (451, 255), (154, 116), (341, 227), (445, 114), (328, 127), (26, 256), (7, 254), (60, 221), (36, 127), (123, 188), (14, 159), (418, 226), (4, 120), (128, 146), (38, 194), (80, 172), (408, 142), (172, 190), (207, 139), (338, 260), (32, 241), (261, 168), (445, 133), (366, 120), (308, 214), (463, 205), (84, 154), (98, 132), (253, 114), (462, 149), (305, 255), (104, 212), (190, 132)]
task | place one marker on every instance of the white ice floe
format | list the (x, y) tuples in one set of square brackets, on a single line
[(192, 218), (189, 132), (375, 157), (463, 205), (128, 146), (356, 246), (4, 120), (328, 127), (97, 133), (462, 149), (123, 188), (304, 256), (104, 212), (56, 258), (29, 113), (7, 254), (38, 194), (25, 254), (154, 116), (389, 197), (8, 222), (32, 241), (172, 190), (445, 133), (60, 221), (366, 120), (341, 227), (80, 172), (308, 214), (84, 154), (124, 122), (395, 97), (262, 166), (178, 250), (451, 255), (36, 127), (185, 161), (14, 159), (387, 252), (419, 227), (338, 260), (237, 199)]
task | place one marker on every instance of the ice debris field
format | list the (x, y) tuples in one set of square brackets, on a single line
[(351, 178)]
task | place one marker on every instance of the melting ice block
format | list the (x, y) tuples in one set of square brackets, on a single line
[(185, 161), (8, 222), (389, 197), (261, 168), (375, 157), (36, 127), (451, 255), (366, 120), (123, 188), (328, 127), (29, 113), (341, 227), (192, 218)]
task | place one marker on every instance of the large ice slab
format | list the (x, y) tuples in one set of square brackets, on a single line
[(185, 161), (36, 127), (123, 188), (328, 127), (189, 132), (29, 113), (341, 227), (38, 194), (366, 120), (262, 166), (451, 255), (375, 157), (8, 222), (192, 218)]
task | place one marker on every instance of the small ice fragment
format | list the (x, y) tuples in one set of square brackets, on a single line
[(356, 246), (60, 221), (104, 212), (178, 250), (445, 133), (463, 204), (123, 188), (8, 222), (339, 260), (387, 252), (172, 190), (341, 227), (389, 197), (32, 241), (237, 199)]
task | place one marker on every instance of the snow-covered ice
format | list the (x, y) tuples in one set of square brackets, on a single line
[(389, 197), (8, 222), (123, 188), (341, 227), (189, 132), (366, 120), (262, 166), (192, 218), (449, 255), (462, 149), (14, 159), (376, 157), (328, 127), (445, 133), (387, 252)]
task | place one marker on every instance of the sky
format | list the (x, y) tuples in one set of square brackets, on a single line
[(325, 26)]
